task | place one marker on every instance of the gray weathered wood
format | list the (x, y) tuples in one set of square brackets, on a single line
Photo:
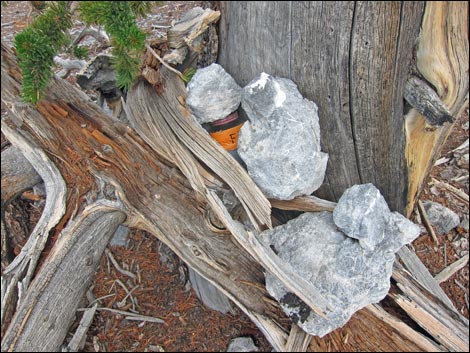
[(18, 175), (21, 270), (255, 37), (426, 101), (448, 327), (56, 292), (450, 270), (352, 59), (320, 67), (79, 337), (298, 340), (156, 195), (422, 274)]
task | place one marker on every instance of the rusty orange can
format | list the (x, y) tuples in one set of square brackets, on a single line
[(225, 131)]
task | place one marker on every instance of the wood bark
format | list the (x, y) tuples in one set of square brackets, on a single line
[(49, 306), (18, 175), (353, 60), (442, 58), (87, 144)]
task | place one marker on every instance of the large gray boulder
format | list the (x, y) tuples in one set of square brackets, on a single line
[(280, 143), (348, 275), (213, 94)]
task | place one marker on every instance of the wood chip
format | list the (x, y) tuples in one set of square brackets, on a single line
[(119, 268), (446, 273), (452, 189), (426, 223), (78, 340)]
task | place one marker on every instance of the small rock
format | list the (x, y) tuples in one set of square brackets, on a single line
[(209, 294), (463, 161), (460, 246), (441, 217), (448, 173), (213, 94), (166, 256), (362, 213), (464, 224), (242, 344), (280, 143), (120, 237)]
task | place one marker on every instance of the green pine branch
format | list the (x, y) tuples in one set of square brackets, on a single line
[(38, 44), (127, 39)]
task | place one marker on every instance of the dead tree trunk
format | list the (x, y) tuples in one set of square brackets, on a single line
[(353, 59), (97, 158)]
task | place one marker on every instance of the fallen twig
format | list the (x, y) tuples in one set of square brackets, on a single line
[(123, 301), (128, 293), (129, 315), (452, 189), (426, 223), (103, 297), (441, 161), (119, 268), (78, 340), (445, 255), (461, 147), (446, 273)]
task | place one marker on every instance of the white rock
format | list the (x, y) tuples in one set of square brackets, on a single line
[(280, 143), (213, 94)]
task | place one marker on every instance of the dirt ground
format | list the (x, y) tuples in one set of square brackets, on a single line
[(161, 288)]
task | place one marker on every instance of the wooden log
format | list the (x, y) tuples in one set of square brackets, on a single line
[(43, 317), (371, 332), (412, 263), (450, 270), (21, 270), (18, 175), (187, 31), (446, 326), (298, 340), (329, 49), (155, 195), (304, 203)]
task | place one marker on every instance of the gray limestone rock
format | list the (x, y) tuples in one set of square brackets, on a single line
[(210, 295), (242, 344), (213, 94), (362, 213), (120, 237), (280, 143), (348, 275), (441, 217), (465, 223)]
